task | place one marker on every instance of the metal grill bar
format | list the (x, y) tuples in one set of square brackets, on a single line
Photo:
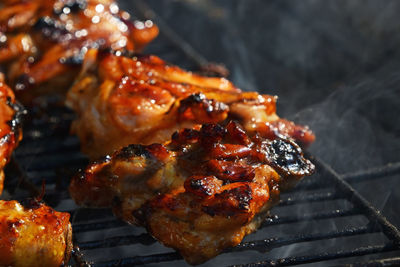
[(323, 256), (268, 244), (274, 220), (371, 174), (259, 245), (371, 212), (139, 260), (46, 162), (308, 217), (377, 263), (343, 191), (144, 239), (312, 184), (46, 145), (166, 257), (313, 197), (48, 138), (98, 226)]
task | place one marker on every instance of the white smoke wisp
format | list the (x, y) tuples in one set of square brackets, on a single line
[(355, 126)]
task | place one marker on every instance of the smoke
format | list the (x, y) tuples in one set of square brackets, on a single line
[(335, 67), (357, 125)]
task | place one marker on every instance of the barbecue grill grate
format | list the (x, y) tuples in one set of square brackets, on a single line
[(322, 219)]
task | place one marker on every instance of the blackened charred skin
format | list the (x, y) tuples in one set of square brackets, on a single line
[(16, 122), (73, 6), (203, 109), (226, 175), (194, 98), (153, 152), (131, 151), (287, 157), (231, 202), (243, 195), (212, 133), (203, 186), (185, 136)]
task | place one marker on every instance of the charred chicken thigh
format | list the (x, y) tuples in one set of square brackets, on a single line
[(33, 235), (10, 126), (123, 100), (194, 159), (199, 193), (42, 43)]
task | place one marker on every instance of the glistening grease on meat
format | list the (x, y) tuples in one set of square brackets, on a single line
[(122, 100), (199, 193), (43, 43), (10, 126), (33, 235)]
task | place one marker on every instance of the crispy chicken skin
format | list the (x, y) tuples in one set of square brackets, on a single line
[(33, 235), (43, 42), (10, 126), (122, 100), (199, 193)]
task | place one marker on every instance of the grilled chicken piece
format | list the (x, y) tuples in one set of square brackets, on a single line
[(43, 43), (199, 193), (123, 100), (34, 235), (10, 126)]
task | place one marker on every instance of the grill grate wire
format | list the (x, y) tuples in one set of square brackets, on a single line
[(48, 153), (46, 159)]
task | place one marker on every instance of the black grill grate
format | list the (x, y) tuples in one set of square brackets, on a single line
[(52, 155), (322, 219), (49, 153)]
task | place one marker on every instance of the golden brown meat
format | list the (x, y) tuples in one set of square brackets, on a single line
[(33, 236), (200, 193), (10, 126), (43, 42), (123, 100)]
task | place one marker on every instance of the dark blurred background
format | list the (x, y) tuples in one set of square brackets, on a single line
[(334, 65)]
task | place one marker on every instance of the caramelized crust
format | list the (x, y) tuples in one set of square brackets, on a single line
[(123, 100), (34, 235), (199, 193), (43, 43), (10, 126)]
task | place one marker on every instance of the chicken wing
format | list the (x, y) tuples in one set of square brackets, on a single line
[(122, 100), (199, 193), (10, 126), (33, 235), (43, 43)]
